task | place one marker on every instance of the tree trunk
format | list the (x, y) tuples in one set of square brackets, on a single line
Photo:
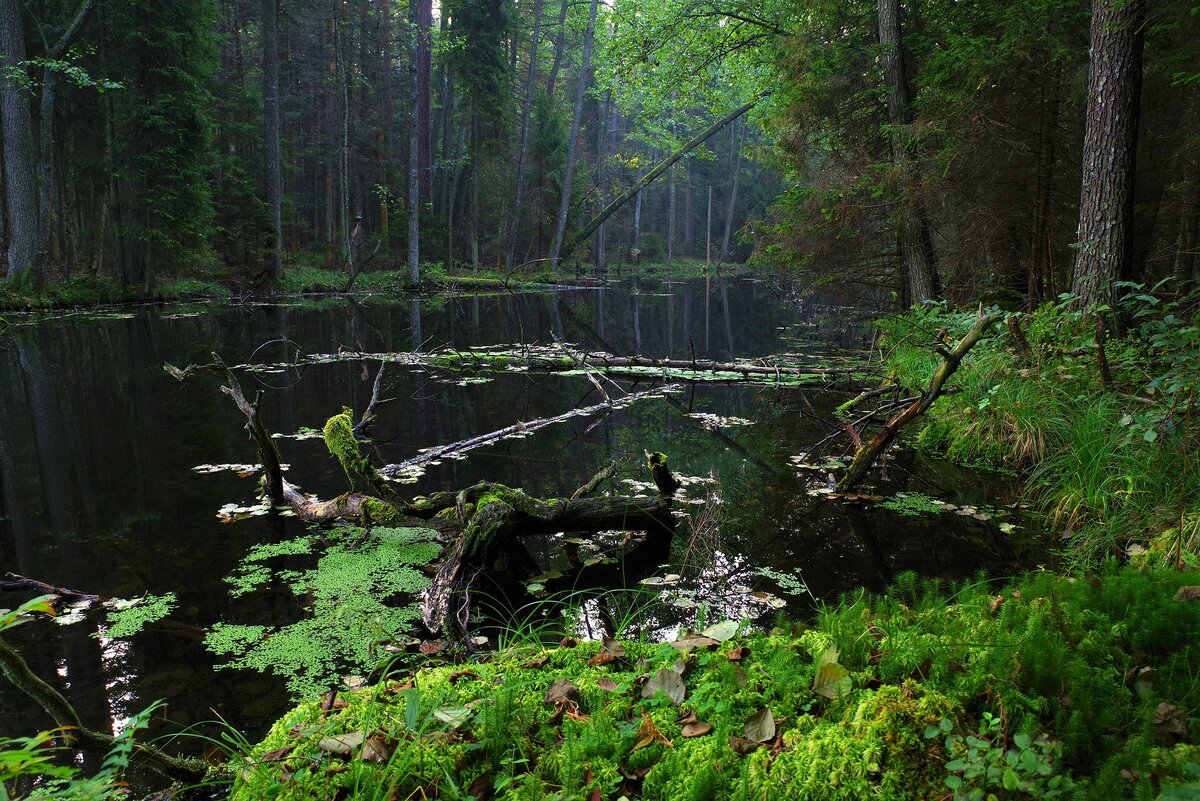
[(559, 46), (273, 171), (424, 26), (735, 170), (514, 218), (20, 184), (414, 144), (916, 244), (564, 203), (1109, 149), (658, 170)]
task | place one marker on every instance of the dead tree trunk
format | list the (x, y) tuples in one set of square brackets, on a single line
[(871, 449)]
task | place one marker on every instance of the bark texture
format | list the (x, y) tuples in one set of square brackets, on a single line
[(20, 184), (272, 165), (916, 243), (564, 203), (1109, 149)]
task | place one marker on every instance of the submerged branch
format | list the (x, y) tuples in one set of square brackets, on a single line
[(17, 671), (517, 429)]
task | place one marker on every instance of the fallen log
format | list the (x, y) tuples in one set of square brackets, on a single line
[(474, 522), (556, 359), (518, 429), (869, 450)]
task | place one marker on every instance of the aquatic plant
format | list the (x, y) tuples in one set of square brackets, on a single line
[(363, 592)]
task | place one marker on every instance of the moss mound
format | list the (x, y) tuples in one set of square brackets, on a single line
[(1047, 688)]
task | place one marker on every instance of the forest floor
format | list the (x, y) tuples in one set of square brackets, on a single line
[(1040, 688)]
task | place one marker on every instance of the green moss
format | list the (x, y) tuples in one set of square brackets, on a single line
[(1048, 658), (126, 619)]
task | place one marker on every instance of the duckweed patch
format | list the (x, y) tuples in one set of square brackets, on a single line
[(363, 597), (937, 688)]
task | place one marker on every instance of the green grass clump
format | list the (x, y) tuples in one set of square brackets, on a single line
[(1111, 464), (1072, 685)]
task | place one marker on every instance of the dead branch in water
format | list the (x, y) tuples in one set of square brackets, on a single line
[(474, 522)]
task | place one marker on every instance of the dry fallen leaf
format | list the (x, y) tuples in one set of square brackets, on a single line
[(563, 688), (607, 685), (1191, 593), (648, 734), (696, 729)]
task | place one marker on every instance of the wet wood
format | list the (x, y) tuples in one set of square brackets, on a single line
[(15, 583), (871, 449)]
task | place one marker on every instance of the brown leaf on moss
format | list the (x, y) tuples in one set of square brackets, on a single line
[(648, 734), (696, 729), (738, 654), (1170, 722), (1191, 593), (396, 687), (278, 754), (431, 647), (563, 688), (462, 674), (568, 642), (535, 664), (742, 746), (377, 749), (608, 685), (995, 603)]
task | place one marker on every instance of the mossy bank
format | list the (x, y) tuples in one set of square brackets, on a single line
[(1049, 687)]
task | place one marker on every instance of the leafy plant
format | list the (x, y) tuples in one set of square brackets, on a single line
[(987, 760)]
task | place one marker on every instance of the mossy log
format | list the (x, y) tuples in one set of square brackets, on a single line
[(871, 449), (475, 522)]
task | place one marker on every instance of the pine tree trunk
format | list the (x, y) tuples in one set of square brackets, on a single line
[(1109, 149), (735, 170), (424, 25), (564, 203), (273, 171), (912, 224), (20, 185), (514, 219)]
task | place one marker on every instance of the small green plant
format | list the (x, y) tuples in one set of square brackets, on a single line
[(28, 768), (986, 760)]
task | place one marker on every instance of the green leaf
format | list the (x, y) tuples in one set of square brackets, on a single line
[(1021, 741), (832, 681), (1011, 782), (721, 631), (760, 727), (956, 765), (454, 715), (954, 782)]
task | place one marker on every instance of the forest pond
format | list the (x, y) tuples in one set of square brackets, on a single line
[(99, 450)]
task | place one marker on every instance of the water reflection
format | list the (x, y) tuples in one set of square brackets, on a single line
[(97, 491)]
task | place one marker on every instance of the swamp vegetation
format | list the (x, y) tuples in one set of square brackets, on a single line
[(600, 401)]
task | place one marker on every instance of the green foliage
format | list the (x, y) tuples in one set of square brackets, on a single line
[(363, 597), (1110, 465), (979, 691), (981, 762), (28, 763)]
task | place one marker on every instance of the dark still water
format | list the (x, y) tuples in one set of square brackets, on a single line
[(98, 492)]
